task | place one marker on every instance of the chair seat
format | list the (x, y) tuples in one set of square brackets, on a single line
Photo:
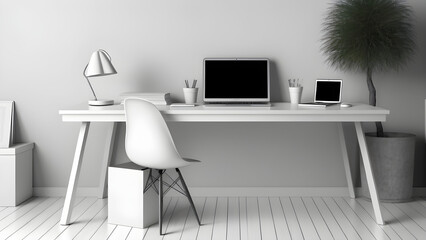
[(176, 163)]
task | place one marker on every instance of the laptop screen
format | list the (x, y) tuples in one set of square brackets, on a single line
[(236, 80), (328, 91)]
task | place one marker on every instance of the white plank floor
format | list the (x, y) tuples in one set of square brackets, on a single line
[(223, 218)]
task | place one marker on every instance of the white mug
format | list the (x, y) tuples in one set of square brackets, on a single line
[(295, 94), (190, 95)]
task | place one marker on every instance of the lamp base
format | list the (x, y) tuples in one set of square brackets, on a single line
[(101, 102)]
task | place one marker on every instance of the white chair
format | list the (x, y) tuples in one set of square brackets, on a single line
[(149, 144)]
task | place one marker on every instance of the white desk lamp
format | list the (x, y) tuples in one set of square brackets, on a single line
[(99, 65)]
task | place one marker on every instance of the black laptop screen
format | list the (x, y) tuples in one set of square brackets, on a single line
[(328, 91), (236, 79)]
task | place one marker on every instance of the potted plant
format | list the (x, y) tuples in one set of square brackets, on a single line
[(376, 35)]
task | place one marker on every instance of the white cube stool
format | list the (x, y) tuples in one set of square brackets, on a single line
[(16, 174), (127, 204)]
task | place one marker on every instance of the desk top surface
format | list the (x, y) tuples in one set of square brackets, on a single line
[(278, 111), (275, 108)]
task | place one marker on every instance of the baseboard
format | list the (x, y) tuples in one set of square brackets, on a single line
[(231, 191), (267, 191), (60, 191), (419, 192), (214, 191)]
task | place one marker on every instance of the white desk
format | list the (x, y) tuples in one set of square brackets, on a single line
[(278, 112)]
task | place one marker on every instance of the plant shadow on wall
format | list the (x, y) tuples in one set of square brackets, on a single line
[(370, 36)]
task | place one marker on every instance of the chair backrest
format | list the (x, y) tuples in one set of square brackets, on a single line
[(148, 141)]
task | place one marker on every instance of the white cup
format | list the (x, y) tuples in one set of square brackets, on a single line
[(295, 94), (190, 95)]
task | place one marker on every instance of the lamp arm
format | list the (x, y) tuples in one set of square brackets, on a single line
[(91, 88)]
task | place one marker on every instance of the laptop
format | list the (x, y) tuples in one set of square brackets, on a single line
[(236, 82), (327, 92)]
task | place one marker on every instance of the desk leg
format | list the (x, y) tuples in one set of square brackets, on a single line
[(75, 173), (109, 146), (346, 160), (369, 173)]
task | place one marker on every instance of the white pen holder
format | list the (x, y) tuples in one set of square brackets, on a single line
[(190, 95), (295, 94)]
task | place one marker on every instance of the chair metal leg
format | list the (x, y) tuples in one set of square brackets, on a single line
[(188, 195), (160, 199)]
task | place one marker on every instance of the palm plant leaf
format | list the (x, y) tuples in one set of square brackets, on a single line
[(368, 34)]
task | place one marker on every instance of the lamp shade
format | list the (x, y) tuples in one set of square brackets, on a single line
[(99, 65)]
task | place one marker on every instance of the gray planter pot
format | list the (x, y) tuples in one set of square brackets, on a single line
[(392, 160)]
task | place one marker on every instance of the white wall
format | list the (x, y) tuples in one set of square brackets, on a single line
[(155, 45)]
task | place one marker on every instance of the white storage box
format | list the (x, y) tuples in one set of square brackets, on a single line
[(16, 174), (127, 204)]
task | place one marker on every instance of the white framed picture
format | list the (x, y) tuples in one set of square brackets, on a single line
[(6, 123)]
